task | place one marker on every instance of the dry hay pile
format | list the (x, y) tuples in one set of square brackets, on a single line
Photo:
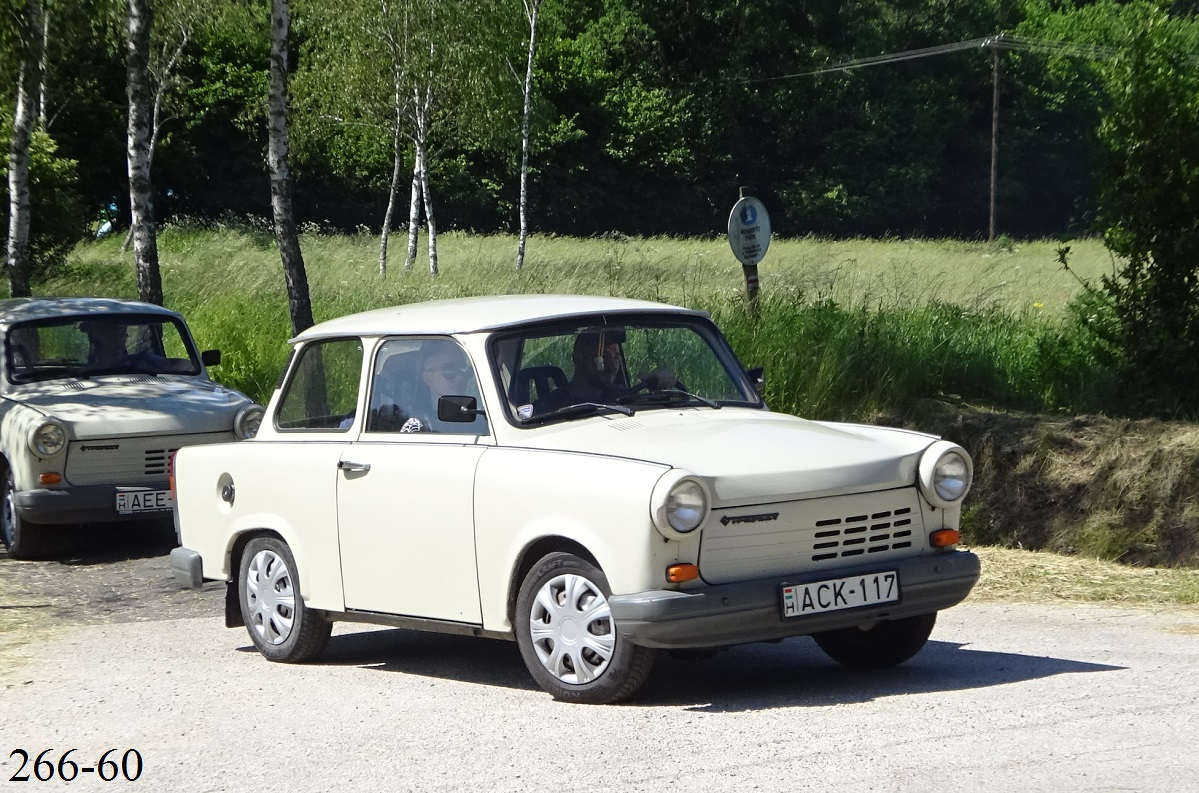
[(1113, 489)]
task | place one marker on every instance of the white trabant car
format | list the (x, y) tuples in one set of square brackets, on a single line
[(95, 395), (595, 478)]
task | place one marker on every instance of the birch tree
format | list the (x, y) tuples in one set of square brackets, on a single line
[(532, 8), (299, 301), (413, 69), (28, 27), (141, 188), (175, 23)]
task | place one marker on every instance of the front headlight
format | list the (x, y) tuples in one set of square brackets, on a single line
[(48, 438), (945, 473), (248, 420), (679, 505)]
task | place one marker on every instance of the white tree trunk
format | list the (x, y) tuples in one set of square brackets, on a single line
[(397, 153), (42, 90), (140, 132), (19, 203), (288, 241), (531, 9), (414, 209), (427, 195), (156, 121)]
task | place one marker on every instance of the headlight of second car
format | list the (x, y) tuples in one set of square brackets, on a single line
[(48, 438), (248, 420), (945, 473), (679, 504)]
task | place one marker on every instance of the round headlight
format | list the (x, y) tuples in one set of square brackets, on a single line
[(248, 420), (48, 438), (951, 477), (686, 506), (945, 473), (679, 504)]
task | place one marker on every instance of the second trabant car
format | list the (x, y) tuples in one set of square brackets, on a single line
[(594, 478)]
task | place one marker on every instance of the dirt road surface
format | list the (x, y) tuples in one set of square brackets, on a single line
[(1006, 697)]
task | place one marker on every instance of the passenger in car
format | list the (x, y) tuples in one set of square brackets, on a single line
[(444, 371)]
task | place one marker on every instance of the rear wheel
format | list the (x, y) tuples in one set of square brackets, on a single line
[(20, 537), (567, 637), (281, 626), (887, 643)]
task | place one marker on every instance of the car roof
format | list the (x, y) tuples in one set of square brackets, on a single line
[(23, 309), (478, 314)]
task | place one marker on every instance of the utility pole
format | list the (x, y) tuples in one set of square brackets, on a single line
[(994, 135)]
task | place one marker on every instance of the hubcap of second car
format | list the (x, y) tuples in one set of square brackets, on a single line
[(270, 596), (570, 625)]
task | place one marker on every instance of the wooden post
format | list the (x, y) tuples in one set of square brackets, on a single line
[(750, 270)]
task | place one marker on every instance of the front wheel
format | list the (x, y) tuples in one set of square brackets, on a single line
[(281, 626), (567, 638), (20, 536), (887, 643)]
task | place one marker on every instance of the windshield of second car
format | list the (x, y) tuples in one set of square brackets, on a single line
[(86, 347), (566, 370)]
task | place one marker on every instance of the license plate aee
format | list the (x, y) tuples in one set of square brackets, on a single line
[(131, 501)]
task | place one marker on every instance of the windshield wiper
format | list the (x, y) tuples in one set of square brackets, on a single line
[(667, 396), (127, 368), (579, 409)]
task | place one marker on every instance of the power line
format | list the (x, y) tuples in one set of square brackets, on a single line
[(1001, 41)]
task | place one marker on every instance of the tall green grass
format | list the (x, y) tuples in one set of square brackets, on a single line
[(845, 329)]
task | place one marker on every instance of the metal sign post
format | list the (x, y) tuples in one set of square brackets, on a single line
[(749, 237)]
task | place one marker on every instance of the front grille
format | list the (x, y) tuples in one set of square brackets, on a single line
[(158, 460), (863, 534), (129, 461), (790, 537)]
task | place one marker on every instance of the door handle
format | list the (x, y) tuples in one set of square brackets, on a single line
[(356, 468)]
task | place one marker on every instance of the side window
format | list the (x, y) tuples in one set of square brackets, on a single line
[(410, 375), (322, 393)]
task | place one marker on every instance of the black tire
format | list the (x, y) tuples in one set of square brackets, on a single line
[(281, 626), (601, 666), (20, 537), (889, 643)]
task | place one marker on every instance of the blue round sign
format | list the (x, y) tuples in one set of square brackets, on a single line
[(749, 230)]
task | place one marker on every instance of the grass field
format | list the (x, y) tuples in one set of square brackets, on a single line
[(846, 327)]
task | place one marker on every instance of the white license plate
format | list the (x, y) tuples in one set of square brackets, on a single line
[(130, 501), (840, 593)]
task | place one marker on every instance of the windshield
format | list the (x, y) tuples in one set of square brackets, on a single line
[(96, 345), (617, 364)]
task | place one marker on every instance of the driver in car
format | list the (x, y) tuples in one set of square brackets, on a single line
[(599, 370)]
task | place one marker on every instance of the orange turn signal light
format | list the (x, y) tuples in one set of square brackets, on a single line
[(943, 538), (49, 478), (678, 573)]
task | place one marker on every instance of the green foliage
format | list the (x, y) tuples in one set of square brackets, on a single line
[(58, 219), (1149, 207)]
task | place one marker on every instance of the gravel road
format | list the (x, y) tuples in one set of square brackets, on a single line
[(1007, 697)]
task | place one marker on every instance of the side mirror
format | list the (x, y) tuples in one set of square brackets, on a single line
[(458, 408), (211, 357), (758, 378)]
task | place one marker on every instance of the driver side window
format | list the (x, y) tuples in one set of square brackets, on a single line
[(322, 393)]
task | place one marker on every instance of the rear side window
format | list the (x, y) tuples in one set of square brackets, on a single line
[(322, 392)]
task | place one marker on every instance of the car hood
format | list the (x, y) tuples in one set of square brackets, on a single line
[(134, 405), (752, 456)]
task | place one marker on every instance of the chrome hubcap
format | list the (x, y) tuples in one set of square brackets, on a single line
[(270, 597), (571, 629)]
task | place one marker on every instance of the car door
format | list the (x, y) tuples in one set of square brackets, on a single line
[(405, 492)]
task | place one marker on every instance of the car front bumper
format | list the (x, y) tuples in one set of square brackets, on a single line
[(81, 504), (751, 611)]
